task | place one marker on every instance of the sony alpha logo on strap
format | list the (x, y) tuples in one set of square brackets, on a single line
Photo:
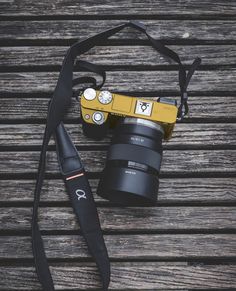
[(80, 194)]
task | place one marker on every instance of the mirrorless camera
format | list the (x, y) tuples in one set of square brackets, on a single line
[(130, 176)]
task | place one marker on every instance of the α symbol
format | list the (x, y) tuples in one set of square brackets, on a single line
[(80, 194)]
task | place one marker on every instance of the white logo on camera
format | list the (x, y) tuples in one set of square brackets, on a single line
[(80, 194), (143, 108)]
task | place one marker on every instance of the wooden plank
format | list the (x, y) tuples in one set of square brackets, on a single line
[(31, 56), (35, 109), (114, 8), (185, 135), (128, 81), (126, 247), (174, 162), (201, 30), (132, 276), (182, 190), (124, 219)]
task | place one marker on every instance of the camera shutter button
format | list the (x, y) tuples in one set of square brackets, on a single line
[(90, 94), (98, 117)]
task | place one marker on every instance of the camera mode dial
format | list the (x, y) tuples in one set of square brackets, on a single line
[(98, 117), (105, 97)]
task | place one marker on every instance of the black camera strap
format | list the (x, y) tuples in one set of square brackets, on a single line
[(70, 164)]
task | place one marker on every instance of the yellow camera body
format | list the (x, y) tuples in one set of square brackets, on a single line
[(99, 107)]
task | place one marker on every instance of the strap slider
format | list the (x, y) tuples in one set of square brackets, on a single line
[(185, 96)]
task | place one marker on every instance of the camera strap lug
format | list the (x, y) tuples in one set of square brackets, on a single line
[(88, 80)]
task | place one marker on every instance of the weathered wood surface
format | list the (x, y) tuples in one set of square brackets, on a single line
[(132, 275), (185, 135), (178, 190), (130, 81), (175, 30), (127, 247), (114, 8), (176, 161), (193, 226), (29, 56), (35, 109), (125, 219)]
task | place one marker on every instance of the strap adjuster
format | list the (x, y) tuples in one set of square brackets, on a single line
[(185, 96)]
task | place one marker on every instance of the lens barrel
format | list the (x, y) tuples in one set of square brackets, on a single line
[(130, 176)]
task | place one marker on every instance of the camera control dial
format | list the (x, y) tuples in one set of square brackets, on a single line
[(98, 117), (105, 97)]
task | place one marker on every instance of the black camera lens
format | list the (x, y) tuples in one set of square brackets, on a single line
[(130, 176)]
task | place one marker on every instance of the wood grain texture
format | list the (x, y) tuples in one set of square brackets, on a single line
[(163, 248), (176, 161), (182, 190), (31, 56), (124, 219), (132, 276), (126, 247), (114, 8), (35, 109), (128, 81), (184, 135), (175, 30)]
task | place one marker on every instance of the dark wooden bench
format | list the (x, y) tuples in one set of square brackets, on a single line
[(188, 241)]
